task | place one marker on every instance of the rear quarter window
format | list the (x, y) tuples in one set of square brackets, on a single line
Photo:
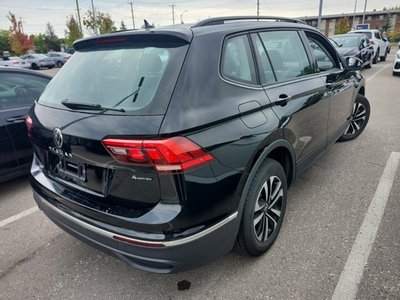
[(237, 63)]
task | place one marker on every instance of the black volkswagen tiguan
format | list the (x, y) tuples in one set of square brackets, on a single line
[(166, 147)]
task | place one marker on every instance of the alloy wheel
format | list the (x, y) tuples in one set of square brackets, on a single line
[(358, 117), (268, 207)]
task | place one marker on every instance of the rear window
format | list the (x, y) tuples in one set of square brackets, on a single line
[(138, 78)]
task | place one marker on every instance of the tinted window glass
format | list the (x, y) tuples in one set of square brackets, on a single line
[(128, 78), (321, 56), (20, 90), (286, 54), (377, 35), (237, 63)]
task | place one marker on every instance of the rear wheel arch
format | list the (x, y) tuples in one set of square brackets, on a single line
[(281, 151)]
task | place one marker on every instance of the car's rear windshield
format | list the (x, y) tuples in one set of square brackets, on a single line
[(346, 41), (367, 33), (138, 78)]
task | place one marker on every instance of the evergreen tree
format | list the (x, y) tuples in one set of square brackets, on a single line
[(342, 25), (72, 33)]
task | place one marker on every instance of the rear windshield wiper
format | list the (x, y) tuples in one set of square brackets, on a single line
[(88, 106), (134, 93)]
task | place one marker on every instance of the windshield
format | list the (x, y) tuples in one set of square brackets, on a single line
[(346, 41), (130, 79)]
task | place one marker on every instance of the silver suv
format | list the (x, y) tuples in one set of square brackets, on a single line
[(376, 39)]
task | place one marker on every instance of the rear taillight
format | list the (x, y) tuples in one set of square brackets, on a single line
[(173, 155), (28, 122), (372, 42), (15, 62)]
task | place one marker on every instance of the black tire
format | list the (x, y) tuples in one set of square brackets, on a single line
[(370, 62), (256, 237), (375, 60), (35, 67), (359, 119), (383, 58), (59, 64), (50, 67)]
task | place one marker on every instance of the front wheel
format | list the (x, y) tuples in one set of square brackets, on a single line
[(375, 60), (358, 120), (383, 58), (370, 62), (264, 209)]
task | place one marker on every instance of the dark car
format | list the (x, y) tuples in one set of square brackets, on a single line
[(165, 147), (19, 88), (354, 46)]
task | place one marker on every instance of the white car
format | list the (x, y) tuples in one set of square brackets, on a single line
[(396, 65), (376, 39), (14, 61)]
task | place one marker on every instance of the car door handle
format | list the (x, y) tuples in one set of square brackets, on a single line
[(17, 119), (283, 100)]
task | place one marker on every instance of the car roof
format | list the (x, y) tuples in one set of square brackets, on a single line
[(364, 30), (221, 25)]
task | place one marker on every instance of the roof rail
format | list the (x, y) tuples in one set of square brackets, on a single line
[(222, 20)]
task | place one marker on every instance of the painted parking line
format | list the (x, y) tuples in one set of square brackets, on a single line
[(378, 72), (352, 273), (19, 216)]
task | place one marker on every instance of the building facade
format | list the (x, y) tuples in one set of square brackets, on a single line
[(375, 19)]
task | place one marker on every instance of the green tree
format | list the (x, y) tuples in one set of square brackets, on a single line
[(72, 33), (342, 25), (51, 39), (388, 22), (20, 43), (122, 26), (102, 23), (4, 41), (40, 43)]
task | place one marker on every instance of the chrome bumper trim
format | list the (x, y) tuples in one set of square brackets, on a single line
[(134, 241)]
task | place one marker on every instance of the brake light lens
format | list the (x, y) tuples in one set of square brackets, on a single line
[(28, 122), (372, 42), (173, 155)]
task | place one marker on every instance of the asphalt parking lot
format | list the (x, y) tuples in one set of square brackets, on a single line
[(342, 216)]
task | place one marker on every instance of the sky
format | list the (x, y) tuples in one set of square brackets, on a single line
[(35, 14)]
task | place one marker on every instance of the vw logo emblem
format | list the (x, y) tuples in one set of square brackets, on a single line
[(57, 137)]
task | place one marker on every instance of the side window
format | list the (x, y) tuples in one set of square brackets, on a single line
[(322, 57), (237, 63), (377, 35), (286, 54), (20, 90)]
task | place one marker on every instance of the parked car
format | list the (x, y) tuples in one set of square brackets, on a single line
[(165, 147), (59, 58), (354, 46), (19, 88), (14, 61), (396, 64), (376, 39), (38, 61)]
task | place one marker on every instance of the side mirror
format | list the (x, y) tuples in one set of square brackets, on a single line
[(352, 63)]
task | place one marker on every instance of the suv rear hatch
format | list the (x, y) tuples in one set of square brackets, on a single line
[(113, 88)]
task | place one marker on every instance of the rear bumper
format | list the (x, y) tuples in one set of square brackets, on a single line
[(396, 66), (153, 256)]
